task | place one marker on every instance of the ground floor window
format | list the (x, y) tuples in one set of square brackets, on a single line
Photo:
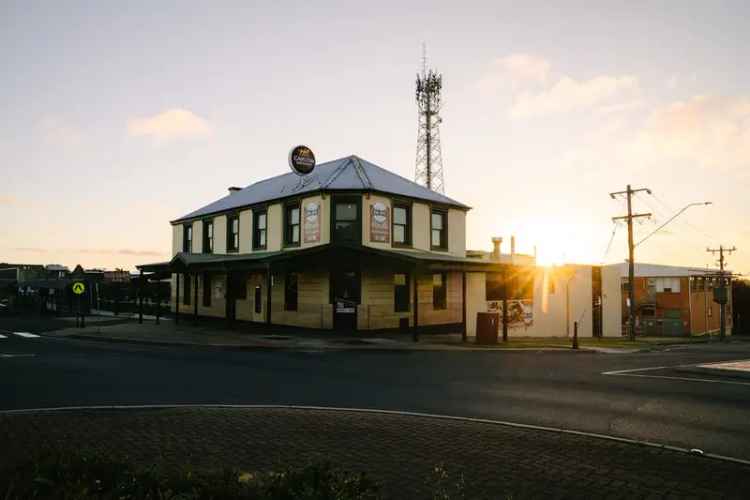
[(290, 292), (400, 292), (186, 290), (258, 295), (439, 291), (206, 290)]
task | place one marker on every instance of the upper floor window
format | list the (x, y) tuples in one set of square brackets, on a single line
[(233, 233), (439, 291), (346, 223), (208, 236), (439, 230), (292, 224), (401, 225), (260, 229), (187, 238)]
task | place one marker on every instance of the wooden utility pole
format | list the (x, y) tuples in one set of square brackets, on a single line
[(723, 296), (631, 259)]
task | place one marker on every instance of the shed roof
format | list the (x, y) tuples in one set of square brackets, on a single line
[(350, 173)]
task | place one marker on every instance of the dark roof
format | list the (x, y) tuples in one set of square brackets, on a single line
[(345, 174)]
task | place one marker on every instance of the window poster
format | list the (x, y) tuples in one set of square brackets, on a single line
[(380, 223), (311, 222)]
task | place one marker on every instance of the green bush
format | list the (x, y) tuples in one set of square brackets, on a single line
[(82, 476)]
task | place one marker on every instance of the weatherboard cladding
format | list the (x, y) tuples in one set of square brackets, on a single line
[(350, 173)]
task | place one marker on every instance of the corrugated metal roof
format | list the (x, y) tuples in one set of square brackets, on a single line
[(660, 270), (348, 173)]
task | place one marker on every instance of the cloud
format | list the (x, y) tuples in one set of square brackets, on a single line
[(524, 67), (8, 200), (569, 94), (175, 123), (122, 251), (57, 131), (31, 250), (711, 130)]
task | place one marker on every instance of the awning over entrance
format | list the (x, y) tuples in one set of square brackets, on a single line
[(193, 263)]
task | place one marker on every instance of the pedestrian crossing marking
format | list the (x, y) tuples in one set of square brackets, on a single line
[(26, 335)]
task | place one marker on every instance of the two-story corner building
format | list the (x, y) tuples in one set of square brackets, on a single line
[(350, 246)]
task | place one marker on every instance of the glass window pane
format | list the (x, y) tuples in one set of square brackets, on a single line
[(262, 238), (399, 215), (435, 238), (346, 211), (295, 234), (261, 221), (294, 216), (437, 280), (437, 221), (235, 225), (399, 279), (399, 234)]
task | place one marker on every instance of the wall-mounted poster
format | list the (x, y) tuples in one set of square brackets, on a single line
[(520, 312), (380, 223), (311, 222)]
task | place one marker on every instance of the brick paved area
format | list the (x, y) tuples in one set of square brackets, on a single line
[(400, 451)]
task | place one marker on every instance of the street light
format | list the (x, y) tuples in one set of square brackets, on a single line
[(701, 204)]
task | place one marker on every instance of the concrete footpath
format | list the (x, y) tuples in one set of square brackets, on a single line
[(399, 451), (215, 334)]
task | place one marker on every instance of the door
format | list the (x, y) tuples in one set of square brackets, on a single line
[(346, 297)]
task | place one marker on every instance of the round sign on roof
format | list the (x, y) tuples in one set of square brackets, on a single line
[(301, 160)]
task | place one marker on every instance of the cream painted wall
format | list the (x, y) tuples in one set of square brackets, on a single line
[(176, 239), (378, 302), (246, 231), (550, 314), (420, 217), (197, 236), (457, 232), (220, 234), (366, 204), (476, 293), (612, 301), (275, 221)]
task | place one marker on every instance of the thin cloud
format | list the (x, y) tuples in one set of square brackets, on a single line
[(171, 124), (8, 200), (569, 94), (122, 251), (711, 130), (31, 250), (59, 132)]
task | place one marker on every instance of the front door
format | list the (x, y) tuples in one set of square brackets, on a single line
[(345, 299)]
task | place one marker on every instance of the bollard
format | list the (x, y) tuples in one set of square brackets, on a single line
[(575, 335)]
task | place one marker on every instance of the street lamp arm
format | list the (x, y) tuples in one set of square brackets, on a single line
[(671, 219)]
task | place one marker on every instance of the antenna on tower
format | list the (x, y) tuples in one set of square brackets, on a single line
[(429, 164)]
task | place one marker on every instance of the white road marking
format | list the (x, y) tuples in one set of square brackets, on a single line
[(3, 336), (26, 335), (633, 373), (5, 356)]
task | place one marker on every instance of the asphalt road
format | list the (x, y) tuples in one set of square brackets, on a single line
[(559, 389)]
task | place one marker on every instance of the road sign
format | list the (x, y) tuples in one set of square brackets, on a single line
[(79, 288)]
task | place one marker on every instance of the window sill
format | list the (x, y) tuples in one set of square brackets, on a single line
[(402, 245), (438, 249)]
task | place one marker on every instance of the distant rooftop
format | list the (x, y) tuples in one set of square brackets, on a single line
[(661, 270), (345, 174)]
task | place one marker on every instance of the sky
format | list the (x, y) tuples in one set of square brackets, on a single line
[(119, 117)]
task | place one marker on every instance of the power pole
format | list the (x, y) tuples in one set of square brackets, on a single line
[(631, 247), (722, 295)]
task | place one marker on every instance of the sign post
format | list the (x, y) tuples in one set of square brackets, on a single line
[(79, 288)]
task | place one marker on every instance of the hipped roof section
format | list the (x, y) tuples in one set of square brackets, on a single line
[(350, 173)]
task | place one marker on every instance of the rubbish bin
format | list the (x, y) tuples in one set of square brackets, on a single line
[(487, 327)]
